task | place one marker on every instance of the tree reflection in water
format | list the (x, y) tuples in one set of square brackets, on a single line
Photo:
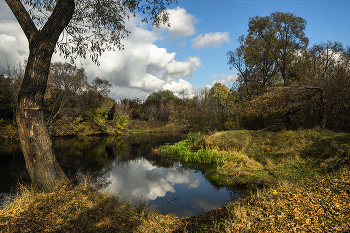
[(127, 165)]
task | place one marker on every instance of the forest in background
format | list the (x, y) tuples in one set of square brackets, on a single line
[(282, 84)]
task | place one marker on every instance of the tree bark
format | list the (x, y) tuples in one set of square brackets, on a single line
[(41, 163)]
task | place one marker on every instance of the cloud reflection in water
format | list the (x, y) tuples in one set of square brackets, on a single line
[(139, 179), (184, 193)]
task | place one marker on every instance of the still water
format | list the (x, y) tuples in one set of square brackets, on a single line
[(126, 166)]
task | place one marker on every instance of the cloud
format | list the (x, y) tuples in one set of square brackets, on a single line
[(223, 78), (142, 67), (176, 70), (210, 39), (181, 23), (139, 69), (180, 88), (13, 43)]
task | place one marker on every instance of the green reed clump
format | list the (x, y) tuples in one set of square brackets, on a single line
[(135, 132), (194, 149)]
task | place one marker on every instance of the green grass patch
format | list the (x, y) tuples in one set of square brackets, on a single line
[(243, 157), (154, 131), (135, 132), (138, 132)]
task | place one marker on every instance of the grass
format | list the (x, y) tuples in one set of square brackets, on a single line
[(135, 132), (155, 126), (79, 209), (138, 132), (320, 205), (301, 180), (258, 158)]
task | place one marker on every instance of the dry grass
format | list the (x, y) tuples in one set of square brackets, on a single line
[(145, 125), (310, 191), (321, 205), (256, 158), (301, 180), (79, 209)]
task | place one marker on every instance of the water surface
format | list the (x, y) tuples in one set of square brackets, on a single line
[(125, 166)]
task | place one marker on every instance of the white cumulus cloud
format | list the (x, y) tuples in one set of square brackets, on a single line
[(212, 39), (181, 23), (223, 78), (180, 88), (176, 69), (13, 43), (139, 179), (136, 71)]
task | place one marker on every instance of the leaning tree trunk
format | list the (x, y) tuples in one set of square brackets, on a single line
[(44, 170), (41, 163)]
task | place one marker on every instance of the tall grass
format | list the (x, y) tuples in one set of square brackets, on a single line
[(79, 209)]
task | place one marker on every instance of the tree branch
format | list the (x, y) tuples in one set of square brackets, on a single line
[(59, 19), (23, 18)]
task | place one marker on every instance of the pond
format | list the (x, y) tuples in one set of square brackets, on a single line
[(126, 166)]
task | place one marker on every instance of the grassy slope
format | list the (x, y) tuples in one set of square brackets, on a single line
[(255, 157)]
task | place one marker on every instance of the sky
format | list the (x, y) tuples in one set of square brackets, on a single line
[(191, 54)]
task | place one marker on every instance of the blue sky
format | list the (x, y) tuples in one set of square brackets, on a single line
[(192, 53), (326, 20)]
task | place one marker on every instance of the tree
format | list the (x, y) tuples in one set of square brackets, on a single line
[(10, 82), (265, 55), (236, 60), (165, 95), (220, 96), (88, 27), (285, 34), (101, 86), (329, 74), (65, 83)]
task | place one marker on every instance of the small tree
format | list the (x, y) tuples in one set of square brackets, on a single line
[(165, 95)]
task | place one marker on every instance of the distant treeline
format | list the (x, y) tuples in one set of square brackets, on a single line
[(281, 84)]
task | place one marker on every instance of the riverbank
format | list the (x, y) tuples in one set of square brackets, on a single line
[(300, 178), (255, 159), (301, 181), (320, 205), (79, 209), (9, 133)]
